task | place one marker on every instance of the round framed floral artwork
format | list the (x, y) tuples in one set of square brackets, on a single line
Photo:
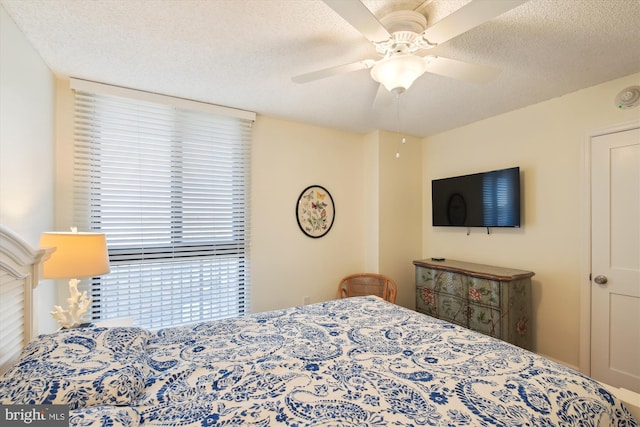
[(315, 211)]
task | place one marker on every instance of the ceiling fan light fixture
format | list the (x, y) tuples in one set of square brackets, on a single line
[(397, 73)]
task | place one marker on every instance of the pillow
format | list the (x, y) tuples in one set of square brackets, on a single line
[(80, 367)]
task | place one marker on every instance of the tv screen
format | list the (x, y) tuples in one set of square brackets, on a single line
[(487, 199)]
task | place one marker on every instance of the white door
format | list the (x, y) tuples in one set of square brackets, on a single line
[(615, 259)]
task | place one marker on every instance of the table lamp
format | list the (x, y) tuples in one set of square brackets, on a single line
[(76, 255)]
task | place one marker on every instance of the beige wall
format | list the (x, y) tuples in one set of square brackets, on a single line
[(26, 147), (400, 212), (548, 142), (286, 265)]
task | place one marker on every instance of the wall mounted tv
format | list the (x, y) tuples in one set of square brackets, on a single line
[(487, 199)]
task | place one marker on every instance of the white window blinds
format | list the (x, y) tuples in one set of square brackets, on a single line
[(170, 188)]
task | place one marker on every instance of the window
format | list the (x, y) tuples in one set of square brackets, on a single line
[(167, 180), (498, 190)]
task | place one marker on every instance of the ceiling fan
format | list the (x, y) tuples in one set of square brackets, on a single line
[(399, 36)]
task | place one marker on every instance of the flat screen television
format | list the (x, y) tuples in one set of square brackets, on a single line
[(487, 199)]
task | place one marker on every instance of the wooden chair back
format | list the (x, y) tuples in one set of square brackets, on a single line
[(361, 284)]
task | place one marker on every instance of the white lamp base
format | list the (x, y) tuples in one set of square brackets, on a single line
[(78, 306)]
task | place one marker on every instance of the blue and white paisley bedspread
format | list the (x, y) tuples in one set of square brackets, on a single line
[(357, 361)]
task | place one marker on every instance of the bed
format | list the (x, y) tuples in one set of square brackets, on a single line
[(355, 361)]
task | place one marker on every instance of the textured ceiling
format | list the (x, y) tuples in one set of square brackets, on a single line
[(243, 53)]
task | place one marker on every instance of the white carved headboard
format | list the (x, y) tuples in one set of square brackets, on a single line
[(20, 268)]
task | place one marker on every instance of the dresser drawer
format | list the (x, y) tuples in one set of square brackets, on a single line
[(485, 319), (484, 291)]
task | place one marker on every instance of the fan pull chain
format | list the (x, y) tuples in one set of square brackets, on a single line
[(402, 140)]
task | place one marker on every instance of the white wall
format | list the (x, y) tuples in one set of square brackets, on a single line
[(26, 147), (547, 141)]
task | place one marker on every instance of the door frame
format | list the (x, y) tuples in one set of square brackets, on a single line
[(585, 241)]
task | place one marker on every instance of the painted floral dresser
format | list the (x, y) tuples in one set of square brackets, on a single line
[(493, 300)]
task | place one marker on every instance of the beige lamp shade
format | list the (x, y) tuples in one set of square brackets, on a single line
[(77, 255)]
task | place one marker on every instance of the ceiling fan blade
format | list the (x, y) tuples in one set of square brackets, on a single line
[(459, 70), (467, 17), (360, 18), (328, 72)]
